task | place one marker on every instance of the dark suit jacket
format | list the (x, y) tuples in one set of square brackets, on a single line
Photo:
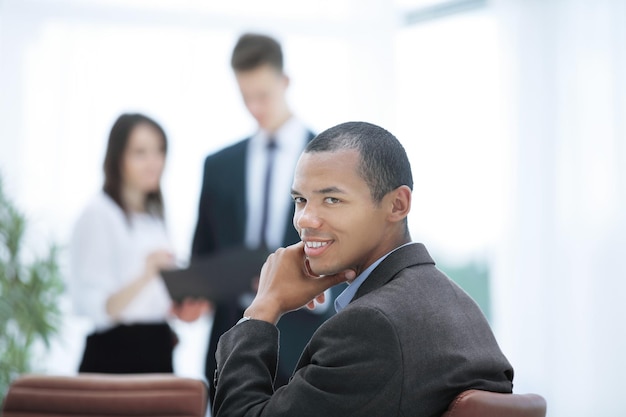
[(405, 346), (222, 212), (221, 225)]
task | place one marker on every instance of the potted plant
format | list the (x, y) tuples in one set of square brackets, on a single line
[(29, 295)]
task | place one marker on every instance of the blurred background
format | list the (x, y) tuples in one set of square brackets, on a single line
[(513, 113)]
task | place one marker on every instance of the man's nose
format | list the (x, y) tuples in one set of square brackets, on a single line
[(255, 107), (307, 218)]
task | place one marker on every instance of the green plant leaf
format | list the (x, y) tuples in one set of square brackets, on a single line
[(29, 295)]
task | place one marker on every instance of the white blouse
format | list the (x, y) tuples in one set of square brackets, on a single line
[(107, 252)]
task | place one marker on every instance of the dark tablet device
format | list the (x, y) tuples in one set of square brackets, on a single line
[(221, 276)]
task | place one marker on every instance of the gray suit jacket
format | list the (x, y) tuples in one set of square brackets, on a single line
[(405, 346)]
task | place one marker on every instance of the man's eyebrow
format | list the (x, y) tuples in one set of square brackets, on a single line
[(327, 190)]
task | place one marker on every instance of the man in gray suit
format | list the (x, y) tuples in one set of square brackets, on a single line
[(405, 341)]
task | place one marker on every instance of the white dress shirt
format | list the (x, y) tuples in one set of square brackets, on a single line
[(107, 252), (290, 141)]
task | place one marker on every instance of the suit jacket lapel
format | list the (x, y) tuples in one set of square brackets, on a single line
[(237, 174), (407, 256)]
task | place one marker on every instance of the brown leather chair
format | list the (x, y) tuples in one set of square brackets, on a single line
[(475, 403), (164, 395)]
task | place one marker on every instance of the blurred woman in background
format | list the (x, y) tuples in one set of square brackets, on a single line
[(119, 245)]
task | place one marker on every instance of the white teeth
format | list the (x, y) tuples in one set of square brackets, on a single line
[(316, 244)]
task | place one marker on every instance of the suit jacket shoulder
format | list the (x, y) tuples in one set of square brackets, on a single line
[(447, 343), (221, 211), (224, 158)]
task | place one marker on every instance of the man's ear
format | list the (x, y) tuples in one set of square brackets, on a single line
[(400, 201)]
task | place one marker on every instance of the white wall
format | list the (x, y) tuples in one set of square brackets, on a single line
[(448, 114), (560, 272)]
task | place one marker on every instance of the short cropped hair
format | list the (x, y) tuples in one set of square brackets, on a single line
[(384, 164), (254, 50)]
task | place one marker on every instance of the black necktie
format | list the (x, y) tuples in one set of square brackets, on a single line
[(271, 151)]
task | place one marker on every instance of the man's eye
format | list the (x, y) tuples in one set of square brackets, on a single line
[(298, 200), (331, 200)]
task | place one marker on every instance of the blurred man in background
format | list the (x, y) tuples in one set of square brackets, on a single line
[(245, 198)]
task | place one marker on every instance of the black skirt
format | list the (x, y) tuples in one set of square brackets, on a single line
[(137, 348)]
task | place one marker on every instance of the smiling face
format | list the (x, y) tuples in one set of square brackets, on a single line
[(336, 217)]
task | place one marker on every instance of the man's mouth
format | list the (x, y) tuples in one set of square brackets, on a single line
[(315, 244), (315, 247)]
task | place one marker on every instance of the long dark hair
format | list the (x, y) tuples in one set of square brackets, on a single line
[(118, 142)]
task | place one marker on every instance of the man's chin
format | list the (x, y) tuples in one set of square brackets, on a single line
[(319, 270)]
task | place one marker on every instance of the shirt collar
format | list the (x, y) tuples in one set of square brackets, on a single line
[(289, 137), (348, 294)]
